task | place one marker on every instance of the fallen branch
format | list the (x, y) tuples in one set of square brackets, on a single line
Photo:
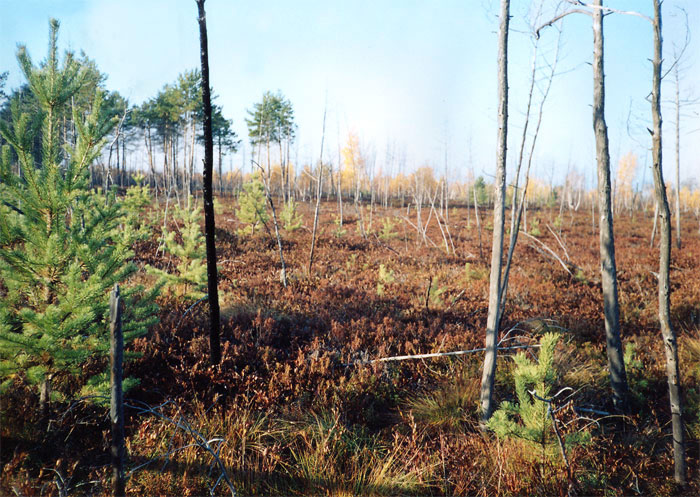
[(549, 250), (199, 440), (382, 244), (440, 354), (419, 230), (561, 244), (562, 447), (190, 308)]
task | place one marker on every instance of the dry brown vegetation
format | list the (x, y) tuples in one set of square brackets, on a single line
[(299, 412)]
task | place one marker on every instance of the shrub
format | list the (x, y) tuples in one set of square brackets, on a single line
[(135, 226), (339, 230), (474, 273), (558, 222)]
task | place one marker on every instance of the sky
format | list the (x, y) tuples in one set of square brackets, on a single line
[(416, 78)]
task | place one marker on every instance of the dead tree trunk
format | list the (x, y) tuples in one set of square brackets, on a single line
[(489, 372), (608, 268), (653, 229), (209, 220), (319, 192), (116, 354), (678, 157), (517, 212), (669, 335)]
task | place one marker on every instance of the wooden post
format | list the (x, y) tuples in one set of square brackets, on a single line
[(116, 353)]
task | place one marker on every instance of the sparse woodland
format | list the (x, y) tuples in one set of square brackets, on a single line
[(330, 326)]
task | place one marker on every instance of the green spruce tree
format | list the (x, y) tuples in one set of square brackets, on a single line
[(58, 257)]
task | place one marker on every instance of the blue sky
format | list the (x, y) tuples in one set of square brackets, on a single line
[(417, 75)]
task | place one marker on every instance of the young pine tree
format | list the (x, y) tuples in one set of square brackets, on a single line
[(527, 419), (251, 205), (58, 258), (191, 277), (292, 220), (135, 225)]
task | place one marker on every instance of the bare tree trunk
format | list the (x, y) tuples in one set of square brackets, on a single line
[(108, 173), (608, 269), (116, 398), (45, 395), (340, 185), (192, 151), (669, 335), (221, 172), (118, 179), (517, 213), (319, 190), (478, 220), (283, 273), (209, 219), (656, 218), (678, 158), (489, 372)]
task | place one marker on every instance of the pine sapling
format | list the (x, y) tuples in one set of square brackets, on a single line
[(58, 254), (135, 226), (384, 277), (190, 278), (528, 419), (291, 219), (252, 209)]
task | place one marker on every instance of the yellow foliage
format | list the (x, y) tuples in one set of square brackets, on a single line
[(537, 190), (626, 172), (690, 199), (353, 163), (424, 178)]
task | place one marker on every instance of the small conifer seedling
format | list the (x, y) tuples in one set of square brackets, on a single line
[(190, 278), (251, 206)]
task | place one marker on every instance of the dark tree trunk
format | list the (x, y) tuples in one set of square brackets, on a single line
[(209, 223)]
